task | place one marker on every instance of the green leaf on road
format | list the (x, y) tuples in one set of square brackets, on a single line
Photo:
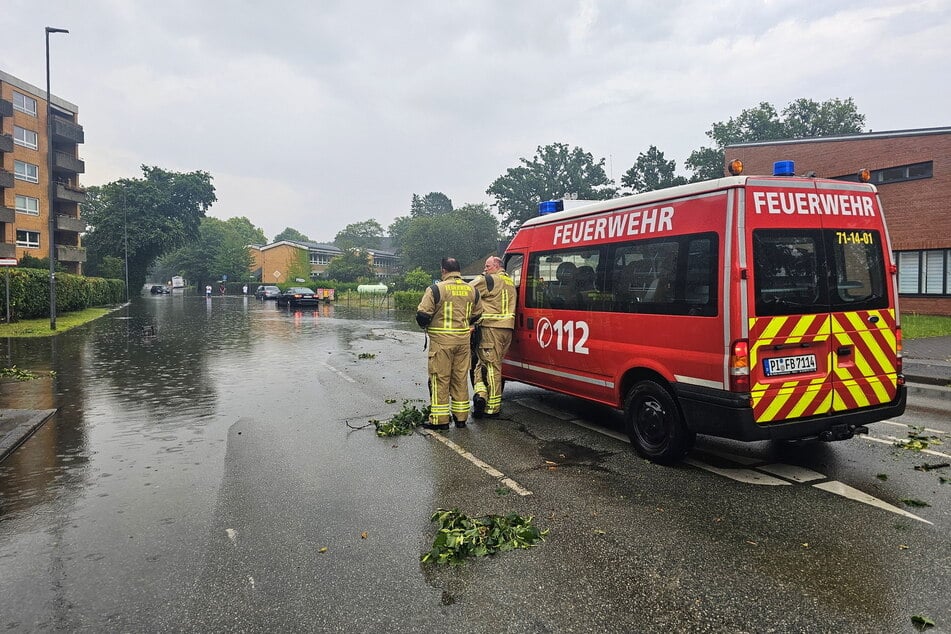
[(460, 536), (921, 623)]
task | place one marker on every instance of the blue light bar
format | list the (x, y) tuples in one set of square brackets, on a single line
[(550, 207), (784, 168)]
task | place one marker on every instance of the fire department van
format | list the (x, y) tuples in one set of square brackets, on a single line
[(748, 307)]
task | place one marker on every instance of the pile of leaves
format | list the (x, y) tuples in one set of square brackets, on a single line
[(460, 536), (918, 440), (17, 375), (404, 422)]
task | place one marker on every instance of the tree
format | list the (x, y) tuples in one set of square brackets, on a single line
[(417, 280), (467, 234), (803, 118), (291, 234), (352, 265), (651, 171), (432, 204), (219, 251), (397, 230), (160, 212), (360, 235), (554, 172)]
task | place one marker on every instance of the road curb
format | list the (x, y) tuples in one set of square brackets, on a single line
[(16, 425)]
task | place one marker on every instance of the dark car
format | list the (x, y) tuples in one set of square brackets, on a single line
[(159, 289), (267, 292), (297, 296)]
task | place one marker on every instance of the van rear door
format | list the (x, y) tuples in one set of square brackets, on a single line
[(821, 332)]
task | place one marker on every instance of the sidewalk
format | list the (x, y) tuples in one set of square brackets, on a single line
[(927, 367)]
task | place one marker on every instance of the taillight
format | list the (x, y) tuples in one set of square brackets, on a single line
[(898, 356), (740, 366)]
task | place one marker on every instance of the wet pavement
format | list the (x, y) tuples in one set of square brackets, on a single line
[(201, 473)]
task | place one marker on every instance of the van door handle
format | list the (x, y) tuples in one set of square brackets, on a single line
[(531, 323), (844, 351)]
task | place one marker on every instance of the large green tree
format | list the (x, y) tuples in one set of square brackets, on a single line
[(651, 171), (360, 235), (554, 172), (158, 213), (351, 266), (467, 234), (802, 118), (219, 251), (291, 234), (432, 204)]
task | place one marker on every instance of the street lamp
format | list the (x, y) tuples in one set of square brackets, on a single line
[(49, 175)]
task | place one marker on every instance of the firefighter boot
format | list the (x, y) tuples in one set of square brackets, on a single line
[(478, 405)]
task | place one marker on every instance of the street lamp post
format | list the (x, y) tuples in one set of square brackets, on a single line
[(49, 175)]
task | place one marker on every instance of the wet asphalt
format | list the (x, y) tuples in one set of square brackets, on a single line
[(220, 475)]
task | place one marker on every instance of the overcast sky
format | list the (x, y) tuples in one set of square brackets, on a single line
[(315, 114)]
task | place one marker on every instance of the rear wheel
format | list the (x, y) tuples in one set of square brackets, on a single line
[(655, 425)]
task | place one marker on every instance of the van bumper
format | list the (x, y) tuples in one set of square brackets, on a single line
[(729, 415)]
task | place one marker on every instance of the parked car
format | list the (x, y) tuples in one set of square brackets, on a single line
[(267, 292), (159, 289), (297, 296)]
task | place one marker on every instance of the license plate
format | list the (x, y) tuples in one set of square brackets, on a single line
[(778, 366)]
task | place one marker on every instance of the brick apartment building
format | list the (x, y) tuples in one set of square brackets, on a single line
[(912, 171), (272, 263), (25, 178)]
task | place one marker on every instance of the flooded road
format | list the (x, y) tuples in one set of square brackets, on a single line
[(207, 477)]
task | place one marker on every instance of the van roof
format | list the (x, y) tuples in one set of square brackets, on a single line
[(690, 189)]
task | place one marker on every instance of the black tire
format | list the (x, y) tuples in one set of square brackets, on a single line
[(655, 425)]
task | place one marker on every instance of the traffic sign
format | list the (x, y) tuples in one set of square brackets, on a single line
[(8, 262)]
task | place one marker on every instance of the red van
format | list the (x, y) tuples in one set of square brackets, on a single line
[(748, 307)]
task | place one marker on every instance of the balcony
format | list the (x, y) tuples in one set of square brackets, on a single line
[(66, 131), (6, 142), (69, 194), (6, 108), (6, 214), (8, 250), (63, 162), (68, 223), (70, 254), (6, 179)]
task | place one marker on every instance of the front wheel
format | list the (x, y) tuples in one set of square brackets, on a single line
[(655, 425)]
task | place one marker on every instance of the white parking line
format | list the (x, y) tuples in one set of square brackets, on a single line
[(492, 471), (854, 494), (747, 476), (792, 472), (927, 429), (891, 440), (338, 372)]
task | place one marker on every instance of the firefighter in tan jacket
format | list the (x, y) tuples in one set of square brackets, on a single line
[(497, 291), (447, 311)]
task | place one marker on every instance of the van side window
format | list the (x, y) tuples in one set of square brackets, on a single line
[(566, 280), (668, 276), (858, 268)]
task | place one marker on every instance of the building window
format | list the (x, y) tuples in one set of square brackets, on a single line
[(28, 239), (319, 258), (898, 174), (24, 137), (24, 103), (27, 205), (924, 272), (26, 171)]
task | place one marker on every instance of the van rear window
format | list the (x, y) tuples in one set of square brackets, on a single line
[(813, 271)]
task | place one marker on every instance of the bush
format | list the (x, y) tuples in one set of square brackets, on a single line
[(406, 300), (30, 293)]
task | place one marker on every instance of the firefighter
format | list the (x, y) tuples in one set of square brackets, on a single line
[(448, 311), (497, 291)]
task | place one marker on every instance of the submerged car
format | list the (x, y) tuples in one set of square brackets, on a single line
[(267, 292), (159, 289), (297, 296)]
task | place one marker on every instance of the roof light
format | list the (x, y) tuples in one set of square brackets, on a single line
[(550, 207), (735, 166), (784, 168), (864, 175)]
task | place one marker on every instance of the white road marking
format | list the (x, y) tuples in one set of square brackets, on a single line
[(745, 460), (747, 476), (927, 429), (854, 494), (232, 535), (792, 472), (891, 440), (492, 471), (338, 372)]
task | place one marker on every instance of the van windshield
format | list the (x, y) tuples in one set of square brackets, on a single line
[(800, 271)]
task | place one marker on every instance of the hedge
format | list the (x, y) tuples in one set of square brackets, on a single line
[(30, 293)]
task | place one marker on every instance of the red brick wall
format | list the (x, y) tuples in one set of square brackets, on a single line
[(918, 212)]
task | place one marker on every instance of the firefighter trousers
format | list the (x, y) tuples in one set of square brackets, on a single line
[(448, 381), (487, 375)]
